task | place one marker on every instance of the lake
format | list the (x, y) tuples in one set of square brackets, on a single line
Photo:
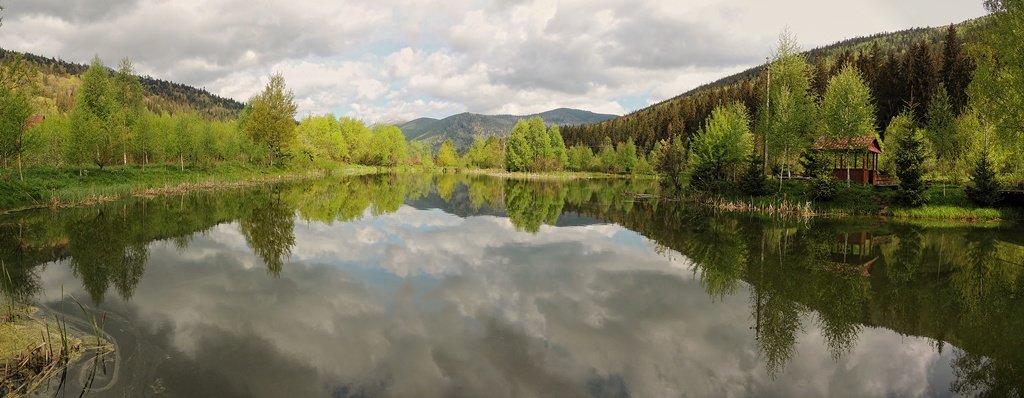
[(452, 286)]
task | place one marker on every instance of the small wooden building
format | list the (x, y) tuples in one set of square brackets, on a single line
[(858, 154)]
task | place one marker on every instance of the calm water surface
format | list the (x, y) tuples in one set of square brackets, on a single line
[(419, 286)]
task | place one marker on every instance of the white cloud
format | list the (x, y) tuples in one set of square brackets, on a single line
[(392, 60)]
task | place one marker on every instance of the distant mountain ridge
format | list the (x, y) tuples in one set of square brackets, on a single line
[(463, 127)]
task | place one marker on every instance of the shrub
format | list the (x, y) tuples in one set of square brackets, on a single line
[(984, 189), (824, 188)]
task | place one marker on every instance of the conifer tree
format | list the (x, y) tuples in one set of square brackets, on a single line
[(984, 189), (909, 169)]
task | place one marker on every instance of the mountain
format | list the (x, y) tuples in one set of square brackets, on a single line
[(60, 80), (901, 68), (463, 127)]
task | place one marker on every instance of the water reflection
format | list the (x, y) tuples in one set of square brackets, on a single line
[(396, 285)]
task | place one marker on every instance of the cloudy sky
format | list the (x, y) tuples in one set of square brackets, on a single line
[(391, 60)]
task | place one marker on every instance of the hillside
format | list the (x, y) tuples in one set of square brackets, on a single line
[(902, 68), (463, 127), (60, 79)]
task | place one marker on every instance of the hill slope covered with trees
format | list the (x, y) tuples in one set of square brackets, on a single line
[(463, 127), (60, 81)]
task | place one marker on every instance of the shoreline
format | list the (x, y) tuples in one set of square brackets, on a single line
[(177, 184), (160, 180)]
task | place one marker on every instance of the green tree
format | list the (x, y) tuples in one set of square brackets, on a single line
[(847, 110), (792, 106), (93, 138), (672, 164), (446, 156), (558, 146), (421, 154), (997, 90), (272, 120), (520, 153), (388, 146), (320, 138), (579, 158), (607, 155), (15, 111), (984, 189), (900, 126), (625, 153), (126, 90), (539, 140), (942, 133), (910, 169), (720, 149), (753, 182), (357, 136)]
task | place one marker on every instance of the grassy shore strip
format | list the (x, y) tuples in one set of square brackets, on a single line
[(64, 187), (861, 201), (545, 176)]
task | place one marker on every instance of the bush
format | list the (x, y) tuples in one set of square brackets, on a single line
[(753, 181), (824, 188), (984, 189)]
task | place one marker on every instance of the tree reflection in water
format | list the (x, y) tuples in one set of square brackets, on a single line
[(957, 285)]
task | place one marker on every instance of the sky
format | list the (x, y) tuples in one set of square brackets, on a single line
[(396, 60)]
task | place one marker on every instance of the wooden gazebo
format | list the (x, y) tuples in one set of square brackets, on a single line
[(859, 154)]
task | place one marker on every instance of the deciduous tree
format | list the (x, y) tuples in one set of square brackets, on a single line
[(847, 110), (272, 121)]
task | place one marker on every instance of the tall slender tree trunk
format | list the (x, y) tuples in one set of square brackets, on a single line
[(21, 173), (847, 161), (125, 155), (181, 159)]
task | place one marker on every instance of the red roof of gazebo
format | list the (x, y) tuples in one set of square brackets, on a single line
[(866, 143)]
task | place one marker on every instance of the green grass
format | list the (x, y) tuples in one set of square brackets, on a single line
[(946, 212), (46, 186), (861, 200)]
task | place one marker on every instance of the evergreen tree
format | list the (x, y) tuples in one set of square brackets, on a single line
[(957, 68), (753, 181), (909, 169), (272, 121), (984, 189)]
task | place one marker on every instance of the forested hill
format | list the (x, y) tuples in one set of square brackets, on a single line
[(902, 69), (60, 81), (463, 127)]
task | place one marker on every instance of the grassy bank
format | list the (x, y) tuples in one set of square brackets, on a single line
[(793, 197), (552, 175), (63, 187)]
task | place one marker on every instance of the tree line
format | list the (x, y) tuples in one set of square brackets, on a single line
[(939, 110)]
